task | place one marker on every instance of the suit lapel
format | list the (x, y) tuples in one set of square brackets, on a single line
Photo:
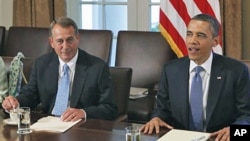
[(79, 79), (183, 93), (217, 79), (52, 76)]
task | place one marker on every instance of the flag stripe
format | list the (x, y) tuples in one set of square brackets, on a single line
[(174, 18), (181, 9), (205, 7), (167, 29)]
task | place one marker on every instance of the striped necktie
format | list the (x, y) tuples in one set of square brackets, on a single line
[(62, 95)]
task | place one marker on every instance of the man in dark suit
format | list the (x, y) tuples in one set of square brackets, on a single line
[(225, 89), (90, 90)]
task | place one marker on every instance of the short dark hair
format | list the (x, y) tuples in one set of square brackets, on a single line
[(215, 27), (64, 22)]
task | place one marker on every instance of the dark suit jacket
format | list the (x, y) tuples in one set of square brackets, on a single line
[(228, 95), (91, 90)]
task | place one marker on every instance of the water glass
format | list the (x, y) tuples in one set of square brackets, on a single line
[(133, 133), (24, 120)]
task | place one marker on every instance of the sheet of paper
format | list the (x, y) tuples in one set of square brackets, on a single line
[(52, 124), (137, 92), (184, 135)]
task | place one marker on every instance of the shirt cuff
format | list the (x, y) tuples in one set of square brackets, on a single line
[(85, 115)]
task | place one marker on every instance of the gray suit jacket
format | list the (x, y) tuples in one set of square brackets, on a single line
[(91, 90), (228, 99)]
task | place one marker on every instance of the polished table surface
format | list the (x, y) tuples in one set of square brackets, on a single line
[(89, 130)]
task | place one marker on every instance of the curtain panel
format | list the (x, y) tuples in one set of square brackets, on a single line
[(37, 13)]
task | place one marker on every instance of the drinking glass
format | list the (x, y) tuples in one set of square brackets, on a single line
[(24, 120), (133, 133)]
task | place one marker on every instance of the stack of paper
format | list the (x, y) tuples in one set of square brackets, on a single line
[(137, 92), (52, 124), (184, 135)]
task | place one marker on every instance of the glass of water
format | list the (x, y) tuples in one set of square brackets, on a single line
[(24, 120), (133, 133)]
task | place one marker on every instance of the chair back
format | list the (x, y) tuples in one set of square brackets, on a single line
[(31, 41), (96, 42), (146, 53), (2, 38), (121, 80)]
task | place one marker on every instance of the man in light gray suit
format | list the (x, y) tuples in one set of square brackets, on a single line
[(226, 85)]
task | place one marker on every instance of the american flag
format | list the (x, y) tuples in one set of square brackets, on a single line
[(174, 18)]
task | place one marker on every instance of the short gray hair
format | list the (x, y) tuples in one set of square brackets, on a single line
[(64, 22)]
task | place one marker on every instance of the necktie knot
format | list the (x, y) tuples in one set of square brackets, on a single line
[(198, 69), (65, 69)]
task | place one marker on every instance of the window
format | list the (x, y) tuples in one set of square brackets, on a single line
[(115, 15)]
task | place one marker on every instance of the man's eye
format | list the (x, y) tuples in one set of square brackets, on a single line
[(70, 40), (59, 41), (202, 36), (189, 34)]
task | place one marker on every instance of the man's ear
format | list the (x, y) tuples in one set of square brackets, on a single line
[(216, 41), (51, 42)]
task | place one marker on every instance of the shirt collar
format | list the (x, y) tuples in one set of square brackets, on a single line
[(71, 63), (206, 65)]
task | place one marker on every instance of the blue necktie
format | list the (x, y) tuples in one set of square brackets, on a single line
[(62, 96), (196, 100)]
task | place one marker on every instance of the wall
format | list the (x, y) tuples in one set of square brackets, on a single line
[(6, 13)]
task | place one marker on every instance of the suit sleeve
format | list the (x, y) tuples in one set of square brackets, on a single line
[(162, 108), (105, 107)]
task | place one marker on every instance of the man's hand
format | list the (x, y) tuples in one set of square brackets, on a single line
[(154, 124), (73, 114), (9, 103), (222, 135)]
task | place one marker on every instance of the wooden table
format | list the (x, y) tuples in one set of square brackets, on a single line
[(89, 130)]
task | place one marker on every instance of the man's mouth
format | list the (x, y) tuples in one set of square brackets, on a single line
[(193, 50)]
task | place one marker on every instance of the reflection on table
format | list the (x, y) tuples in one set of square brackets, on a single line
[(90, 130)]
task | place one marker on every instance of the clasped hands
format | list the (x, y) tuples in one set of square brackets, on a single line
[(71, 114), (156, 123)]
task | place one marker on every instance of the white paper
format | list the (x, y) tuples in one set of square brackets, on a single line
[(52, 124), (184, 135), (138, 92)]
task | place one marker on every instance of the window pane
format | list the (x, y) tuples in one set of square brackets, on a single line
[(155, 13), (116, 18), (90, 0), (113, 53), (116, 0), (92, 16), (155, 0)]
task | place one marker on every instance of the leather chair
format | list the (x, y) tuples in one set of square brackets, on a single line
[(2, 38), (96, 42), (31, 41), (121, 80), (27, 66), (146, 53)]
